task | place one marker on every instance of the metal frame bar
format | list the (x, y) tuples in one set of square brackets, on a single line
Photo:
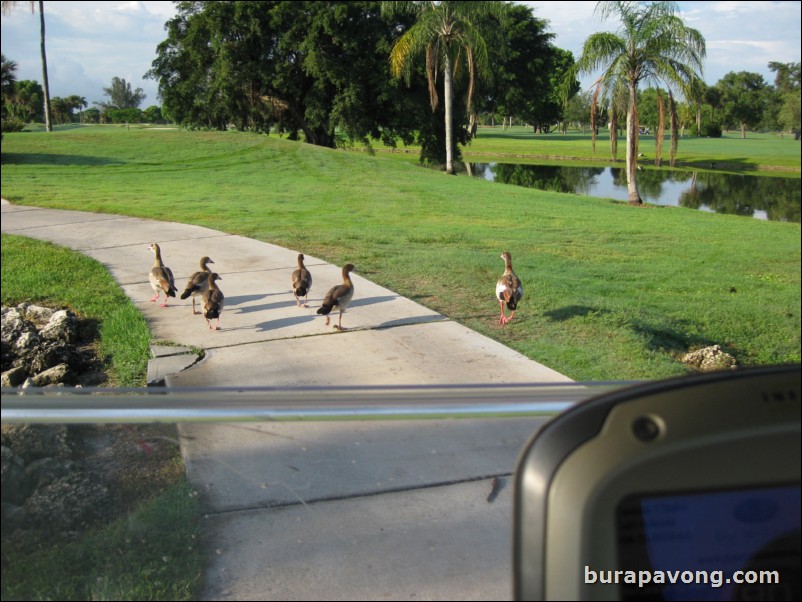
[(255, 404)]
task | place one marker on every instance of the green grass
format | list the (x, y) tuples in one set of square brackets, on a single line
[(39, 272), (611, 291), (758, 152), (152, 554)]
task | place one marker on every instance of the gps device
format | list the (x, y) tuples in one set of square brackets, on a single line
[(685, 489)]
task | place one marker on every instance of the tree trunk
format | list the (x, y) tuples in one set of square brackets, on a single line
[(743, 130), (614, 134), (674, 130), (660, 133), (447, 93), (632, 147), (45, 87)]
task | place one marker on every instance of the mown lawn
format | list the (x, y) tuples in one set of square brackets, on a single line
[(611, 291), (759, 152)]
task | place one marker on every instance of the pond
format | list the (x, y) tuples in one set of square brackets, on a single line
[(762, 197)]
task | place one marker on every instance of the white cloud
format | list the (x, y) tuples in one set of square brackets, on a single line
[(740, 36), (88, 43)]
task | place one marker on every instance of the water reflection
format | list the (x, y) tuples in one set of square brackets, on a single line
[(776, 199)]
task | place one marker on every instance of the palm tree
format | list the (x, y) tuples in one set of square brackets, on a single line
[(77, 102), (445, 33), (9, 75), (6, 8), (653, 46)]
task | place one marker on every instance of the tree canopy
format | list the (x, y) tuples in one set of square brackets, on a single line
[(299, 67), (322, 71), (787, 85), (744, 97), (527, 70), (121, 96)]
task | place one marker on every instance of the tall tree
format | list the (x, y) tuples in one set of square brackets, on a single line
[(78, 103), (308, 69), (445, 33), (6, 8), (787, 84), (9, 81), (527, 69), (653, 45), (121, 96), (9, 76), (577, 112), (744, 97), (25, 101)]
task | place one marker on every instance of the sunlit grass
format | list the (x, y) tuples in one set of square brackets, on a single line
[(39, 272), (758, 153), (611, 291)]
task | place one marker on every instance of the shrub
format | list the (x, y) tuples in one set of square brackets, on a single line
[(12, 124), (710, 129)]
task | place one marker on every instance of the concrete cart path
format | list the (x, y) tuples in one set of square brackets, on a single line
[(301, 511)]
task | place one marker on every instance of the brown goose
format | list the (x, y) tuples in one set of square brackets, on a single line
[(161, 277), (213, 300), (198, 282), (301, 282), (509, 289), (340, 296)]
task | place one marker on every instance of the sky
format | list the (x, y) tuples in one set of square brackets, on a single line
[(89, 43)]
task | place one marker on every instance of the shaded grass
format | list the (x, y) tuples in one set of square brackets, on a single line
[(152, 554), (39, 272), (612, 292)]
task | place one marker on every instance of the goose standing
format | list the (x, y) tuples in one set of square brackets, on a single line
[(161, 277), (509, 289), (213, 300), (301, 282), (340, 296), (198, 282)]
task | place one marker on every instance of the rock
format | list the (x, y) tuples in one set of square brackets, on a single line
[(71, 503), (42, 473), (15, 485), (12, 518), (45, 493), (34, 441), (14, 377), (25, 343), (52, 376), (709, 359), (53, 353), (13, 325), (36, 313), (62, 326), (55, 342)]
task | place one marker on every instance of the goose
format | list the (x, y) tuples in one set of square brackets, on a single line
[(198, 282), (340, 296), (161, 277), (509, 289), (213, 300), (301, 282)]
